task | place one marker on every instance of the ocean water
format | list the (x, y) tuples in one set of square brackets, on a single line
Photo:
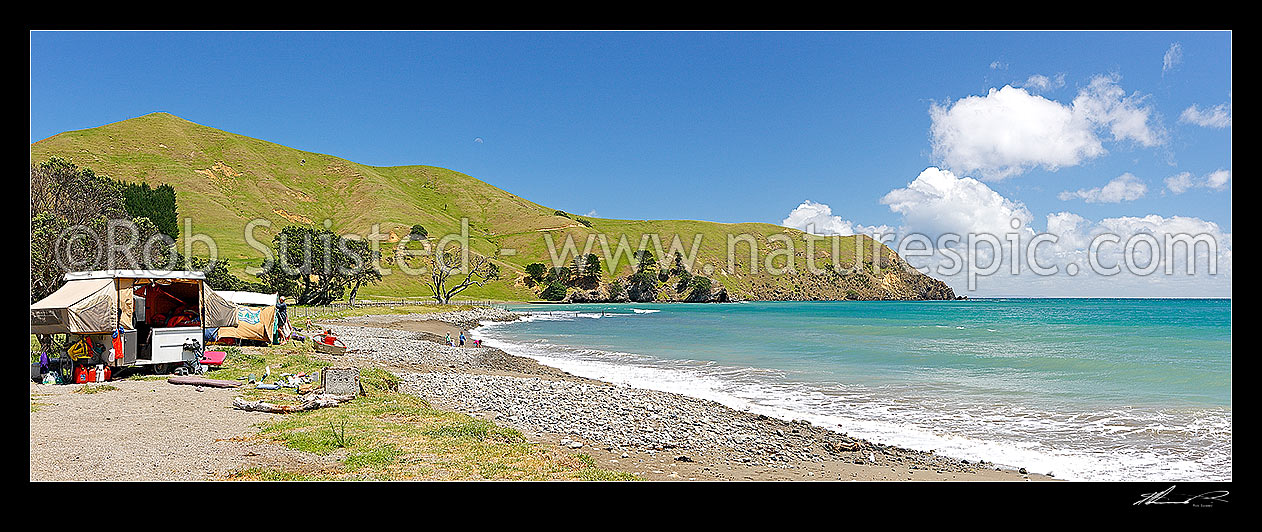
[(1086, 389)]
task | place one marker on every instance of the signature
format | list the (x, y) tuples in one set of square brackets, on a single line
[(1205, 499)]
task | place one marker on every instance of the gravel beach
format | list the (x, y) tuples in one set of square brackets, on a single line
[(652, 434)]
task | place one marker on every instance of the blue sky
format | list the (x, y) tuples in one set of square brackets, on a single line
[(723, 126)]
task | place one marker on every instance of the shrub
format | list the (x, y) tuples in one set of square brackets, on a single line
[(684, 279), (419, 231), (701, 287), (559, 274), (553, 292), (536, 271)]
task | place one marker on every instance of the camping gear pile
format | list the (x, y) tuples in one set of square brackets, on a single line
[(300, 382)]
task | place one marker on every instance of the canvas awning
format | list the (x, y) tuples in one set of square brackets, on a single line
[(80, 307), (89, 303), (217, 311)]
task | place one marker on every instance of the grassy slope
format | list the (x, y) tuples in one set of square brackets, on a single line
[(223, 180)]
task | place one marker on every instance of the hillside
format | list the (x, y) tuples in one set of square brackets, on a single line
[(224, 180)]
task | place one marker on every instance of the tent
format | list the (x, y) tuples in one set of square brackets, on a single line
[(257, 318)]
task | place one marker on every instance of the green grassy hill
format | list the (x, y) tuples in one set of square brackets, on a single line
[(223, 180)]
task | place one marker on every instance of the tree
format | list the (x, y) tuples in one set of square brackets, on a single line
[(591, 269), (73, 213), (418, 231), (553, 292), (445, 267), (156, 204), (359, 260), (616, 290), (560, 274), (317, 266), (536, 270), (645, 261)]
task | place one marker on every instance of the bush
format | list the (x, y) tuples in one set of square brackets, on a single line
[(536, 271), (419, 231), (559, 274), (685, 278), (553, 292), (617, 290)]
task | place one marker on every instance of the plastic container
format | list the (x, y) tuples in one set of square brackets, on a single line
[(85, 374)]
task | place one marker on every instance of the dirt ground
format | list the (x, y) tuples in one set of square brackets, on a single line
[(149, 430)]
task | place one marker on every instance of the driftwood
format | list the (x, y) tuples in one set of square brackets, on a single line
[(202, 381), (311, 402)]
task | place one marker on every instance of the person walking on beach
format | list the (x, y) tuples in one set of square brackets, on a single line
[(449, 338), (461, 338)]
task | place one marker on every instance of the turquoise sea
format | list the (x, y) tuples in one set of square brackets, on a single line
[(1086, 389)]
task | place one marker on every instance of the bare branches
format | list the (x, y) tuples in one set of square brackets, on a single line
[(445, 266)]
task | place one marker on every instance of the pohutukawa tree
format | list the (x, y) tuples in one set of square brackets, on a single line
[(317, 266), (449, 274)]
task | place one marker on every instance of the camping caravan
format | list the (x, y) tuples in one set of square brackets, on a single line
[(257, 319), (119, 318)]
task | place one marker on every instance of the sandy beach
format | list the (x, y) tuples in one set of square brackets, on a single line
[(652, 434)]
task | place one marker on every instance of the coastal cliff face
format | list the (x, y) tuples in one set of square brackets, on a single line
[(895, 281)]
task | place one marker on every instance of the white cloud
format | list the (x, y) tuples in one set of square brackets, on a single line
[(1009, 131), (1217, 179), (996, 65), (818, 219), (1174, 56), (591, 213), (1125, 187), (1217, 117), (1103, 102), (1180, 183), (938, 202), (1043, 83)]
